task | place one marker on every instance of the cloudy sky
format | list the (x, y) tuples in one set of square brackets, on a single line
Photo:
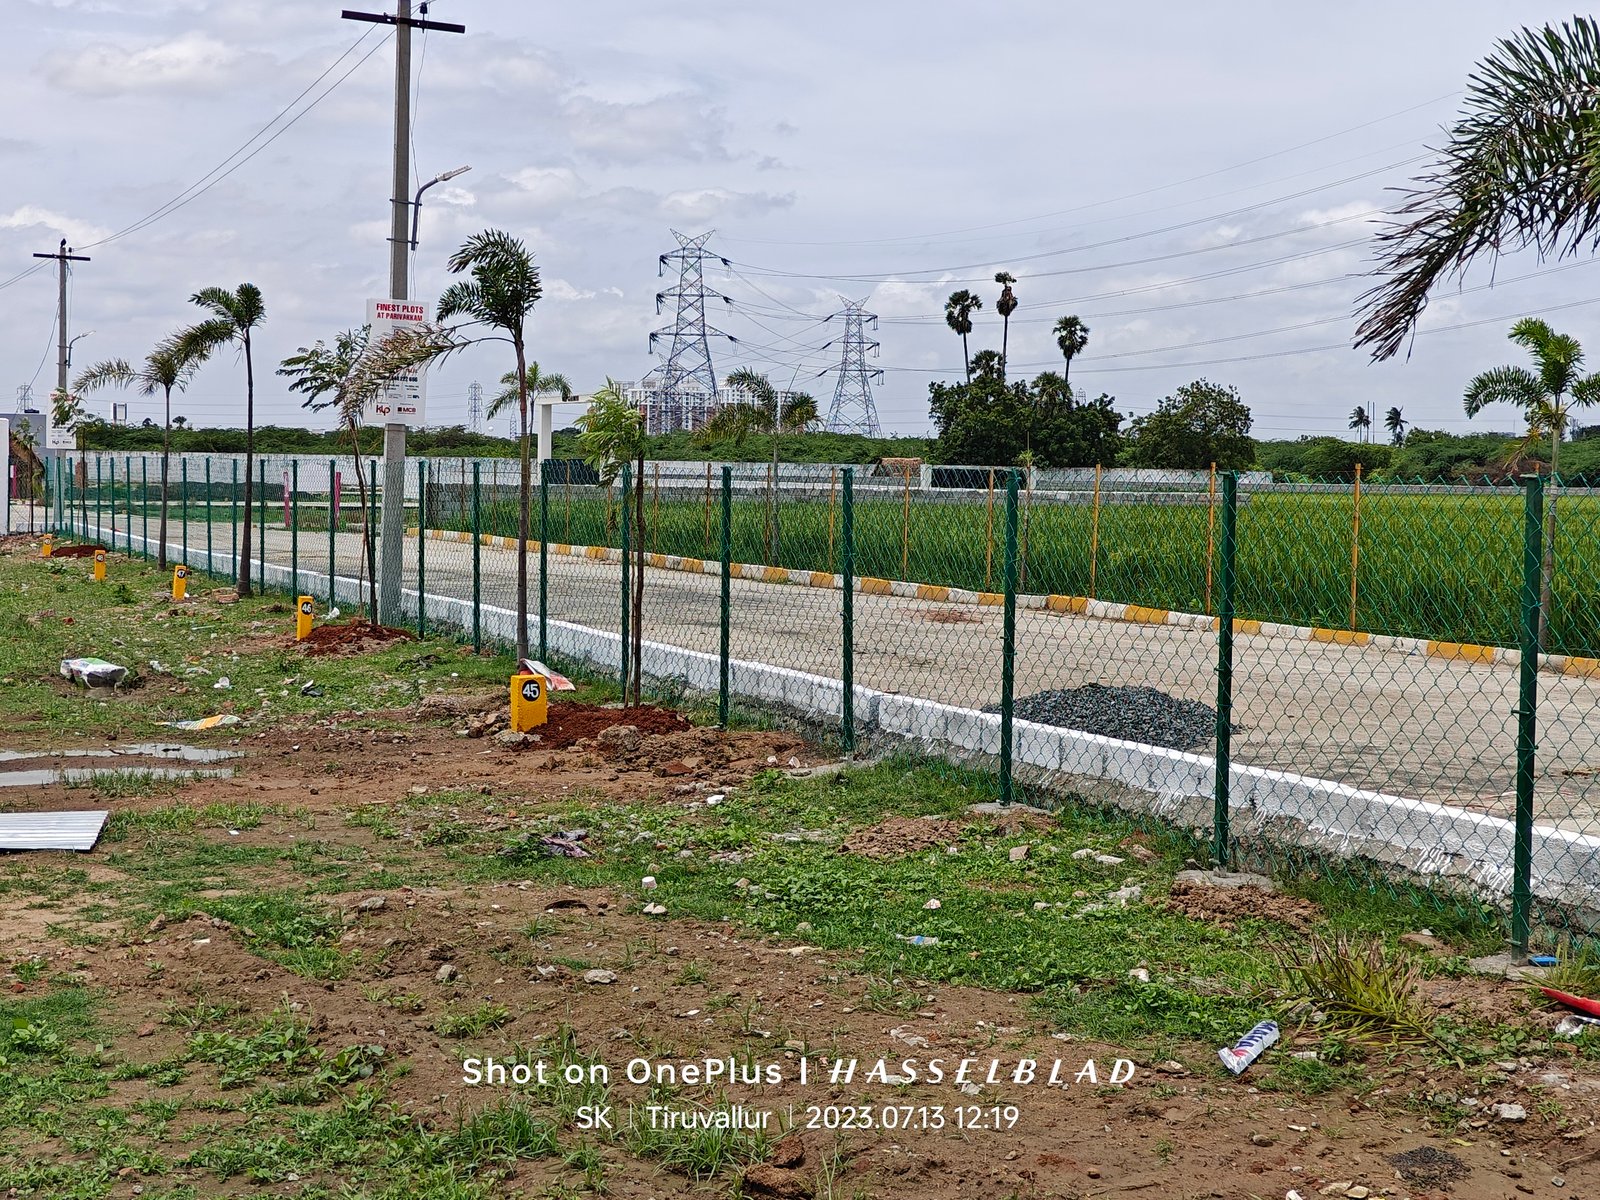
[(1198, 182)]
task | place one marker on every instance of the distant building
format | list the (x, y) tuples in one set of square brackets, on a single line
[(692, 409)]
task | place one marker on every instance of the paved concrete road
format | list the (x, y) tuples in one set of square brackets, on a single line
[(1408, 725)]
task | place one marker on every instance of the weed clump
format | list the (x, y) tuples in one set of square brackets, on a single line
[(1357, 988)]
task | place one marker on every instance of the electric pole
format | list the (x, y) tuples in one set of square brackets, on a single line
[(391, 521), (62, 256)]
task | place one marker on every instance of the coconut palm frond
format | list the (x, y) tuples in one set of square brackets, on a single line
[(113, 372), (799, 412), (539, 383), (1503, 385), (1518, 171)]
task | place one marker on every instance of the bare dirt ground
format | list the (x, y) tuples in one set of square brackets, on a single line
[(682, 990)]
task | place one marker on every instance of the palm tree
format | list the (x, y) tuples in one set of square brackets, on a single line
[(1072, 335), (1547, 394), (1395, 422), (1005, 306), (235, 315), (1360, 422), (536, 382), (612, 433), (326, 377), (771, 413), (171, 365), (958, 310), (504, 288), (1521, 168)]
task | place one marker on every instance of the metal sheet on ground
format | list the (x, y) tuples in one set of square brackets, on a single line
[(52, 830)]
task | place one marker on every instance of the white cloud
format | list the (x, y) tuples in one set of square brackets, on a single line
[(676, 126), (191, 62), (30, 216), (548, 189), (718, 203)]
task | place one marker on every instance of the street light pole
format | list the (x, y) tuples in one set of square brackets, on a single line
[(416, 204), (392, 523)]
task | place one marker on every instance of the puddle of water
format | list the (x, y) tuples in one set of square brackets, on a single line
[(48, 775), (170, 750)]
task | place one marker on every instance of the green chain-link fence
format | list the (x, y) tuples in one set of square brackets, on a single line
[(1395, 681)]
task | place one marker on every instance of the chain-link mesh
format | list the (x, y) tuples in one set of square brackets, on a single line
[(1378, 687)]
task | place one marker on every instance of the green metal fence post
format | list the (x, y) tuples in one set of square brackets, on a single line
[(210, 564), (725, 605), (627, 492), (111, 500), (261, 501), (422, 549), (294, 527), (333, 554), (544, 560), (233, 520), (847, 601), (1527, 711), (1008, 646), (127, 482), (99, 499), (1221, 830), (144, 501), (183, 504), (372, 532), (477, 560)]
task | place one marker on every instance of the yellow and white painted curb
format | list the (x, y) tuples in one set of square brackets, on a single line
[(1083, 606)]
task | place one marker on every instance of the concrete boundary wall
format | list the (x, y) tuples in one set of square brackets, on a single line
[(1432, 842)]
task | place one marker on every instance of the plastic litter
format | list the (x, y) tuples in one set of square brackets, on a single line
[(215, 721), (1572, 1025), (920, 939), (558, 682), (222, 684), (1542, 960), (648, 882), (310, 688), (1592, 1007), (92, 672), (1249, 1048), (560, 847)]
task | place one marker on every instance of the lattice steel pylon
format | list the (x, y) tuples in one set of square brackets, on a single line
[(686, 392), (474, 405), (853, 410)]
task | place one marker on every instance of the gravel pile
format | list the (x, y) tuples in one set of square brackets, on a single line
[(1134, 714)]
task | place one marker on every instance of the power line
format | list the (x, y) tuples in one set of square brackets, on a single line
[(1129, 195), (1132, 262), (217, 174)]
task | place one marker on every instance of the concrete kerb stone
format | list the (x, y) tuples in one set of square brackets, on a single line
[(1420, 838)]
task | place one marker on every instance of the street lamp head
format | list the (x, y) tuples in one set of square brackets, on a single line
[(451, 174)]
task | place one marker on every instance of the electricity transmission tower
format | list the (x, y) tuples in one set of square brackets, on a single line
[(25, 397), (686, 393), (475, 405), (853, 410)]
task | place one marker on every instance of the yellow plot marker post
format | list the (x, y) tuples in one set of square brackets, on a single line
[(302, 618), (99, 566), (47, 546), (180, 581), (530, 702)]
